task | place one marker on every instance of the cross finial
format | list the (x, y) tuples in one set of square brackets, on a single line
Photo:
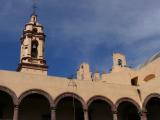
[(34, 6)]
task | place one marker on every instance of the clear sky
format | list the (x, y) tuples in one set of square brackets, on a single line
[(83, 31)]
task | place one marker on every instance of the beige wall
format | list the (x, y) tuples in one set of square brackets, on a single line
[(113, 86)]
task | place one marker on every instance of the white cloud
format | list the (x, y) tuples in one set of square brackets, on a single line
[(91, 23)]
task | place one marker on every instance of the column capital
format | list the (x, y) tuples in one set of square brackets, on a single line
[(143, 112), (15, 115), (114, 111), (53, 108), (85, 109), (16, 106)]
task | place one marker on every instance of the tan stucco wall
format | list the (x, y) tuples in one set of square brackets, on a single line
[(21, 82), (113, 86)]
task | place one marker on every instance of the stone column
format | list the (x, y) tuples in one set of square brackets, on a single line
[(53, 113), (143, 115), (15, 114), (115, 117), (85, 114)]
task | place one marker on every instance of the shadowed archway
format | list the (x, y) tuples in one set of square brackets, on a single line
[(35, 105), (152, 106), (69, 106), (100, 108), (128, 109), (8, 100)]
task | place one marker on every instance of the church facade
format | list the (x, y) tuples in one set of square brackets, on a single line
[(122, 94)]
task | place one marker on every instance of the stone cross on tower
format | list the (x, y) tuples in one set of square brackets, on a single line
[(34, 6), (32, 58)]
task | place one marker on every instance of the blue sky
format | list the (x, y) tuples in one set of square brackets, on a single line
[(83, 31)]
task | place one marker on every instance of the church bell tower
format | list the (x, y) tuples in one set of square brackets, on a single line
[(32, 58)]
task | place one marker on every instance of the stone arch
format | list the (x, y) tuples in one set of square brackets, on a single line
[(153, 95), (70, 94), (35, 104), (128, 100), (69, 106), (99, 97), (36, 91), (149, 77), (100, 107), (128, 108), (10, 93)]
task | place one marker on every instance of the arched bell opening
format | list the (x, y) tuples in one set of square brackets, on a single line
[(34, 49), (69, 108), (34, 107)]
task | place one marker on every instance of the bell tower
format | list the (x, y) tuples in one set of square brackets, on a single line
[(32, 58)]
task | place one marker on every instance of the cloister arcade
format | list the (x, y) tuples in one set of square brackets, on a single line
[(39, 105)]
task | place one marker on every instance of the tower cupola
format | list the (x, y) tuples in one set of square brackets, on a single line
[(32, 58), (119, 62)]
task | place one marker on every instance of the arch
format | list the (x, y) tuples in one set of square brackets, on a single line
[(126, 99), (153, 95), (151, 106), (128, 109), (103, 98), (34, 49), (69, 94), (100, 107), (10, 93), (149, 77), (36, 91)]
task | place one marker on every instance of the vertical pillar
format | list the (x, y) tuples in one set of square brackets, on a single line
[(53, 113), (85, 114), (143, 115), (115, 115), (15, 114)]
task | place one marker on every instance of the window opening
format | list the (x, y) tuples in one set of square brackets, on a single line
[(134, 81)]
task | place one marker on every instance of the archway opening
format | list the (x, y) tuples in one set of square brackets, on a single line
[(100, 110), (153, 109), (69, 108), (128, 111), (6, 106), (34, 49), (34, 107)]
